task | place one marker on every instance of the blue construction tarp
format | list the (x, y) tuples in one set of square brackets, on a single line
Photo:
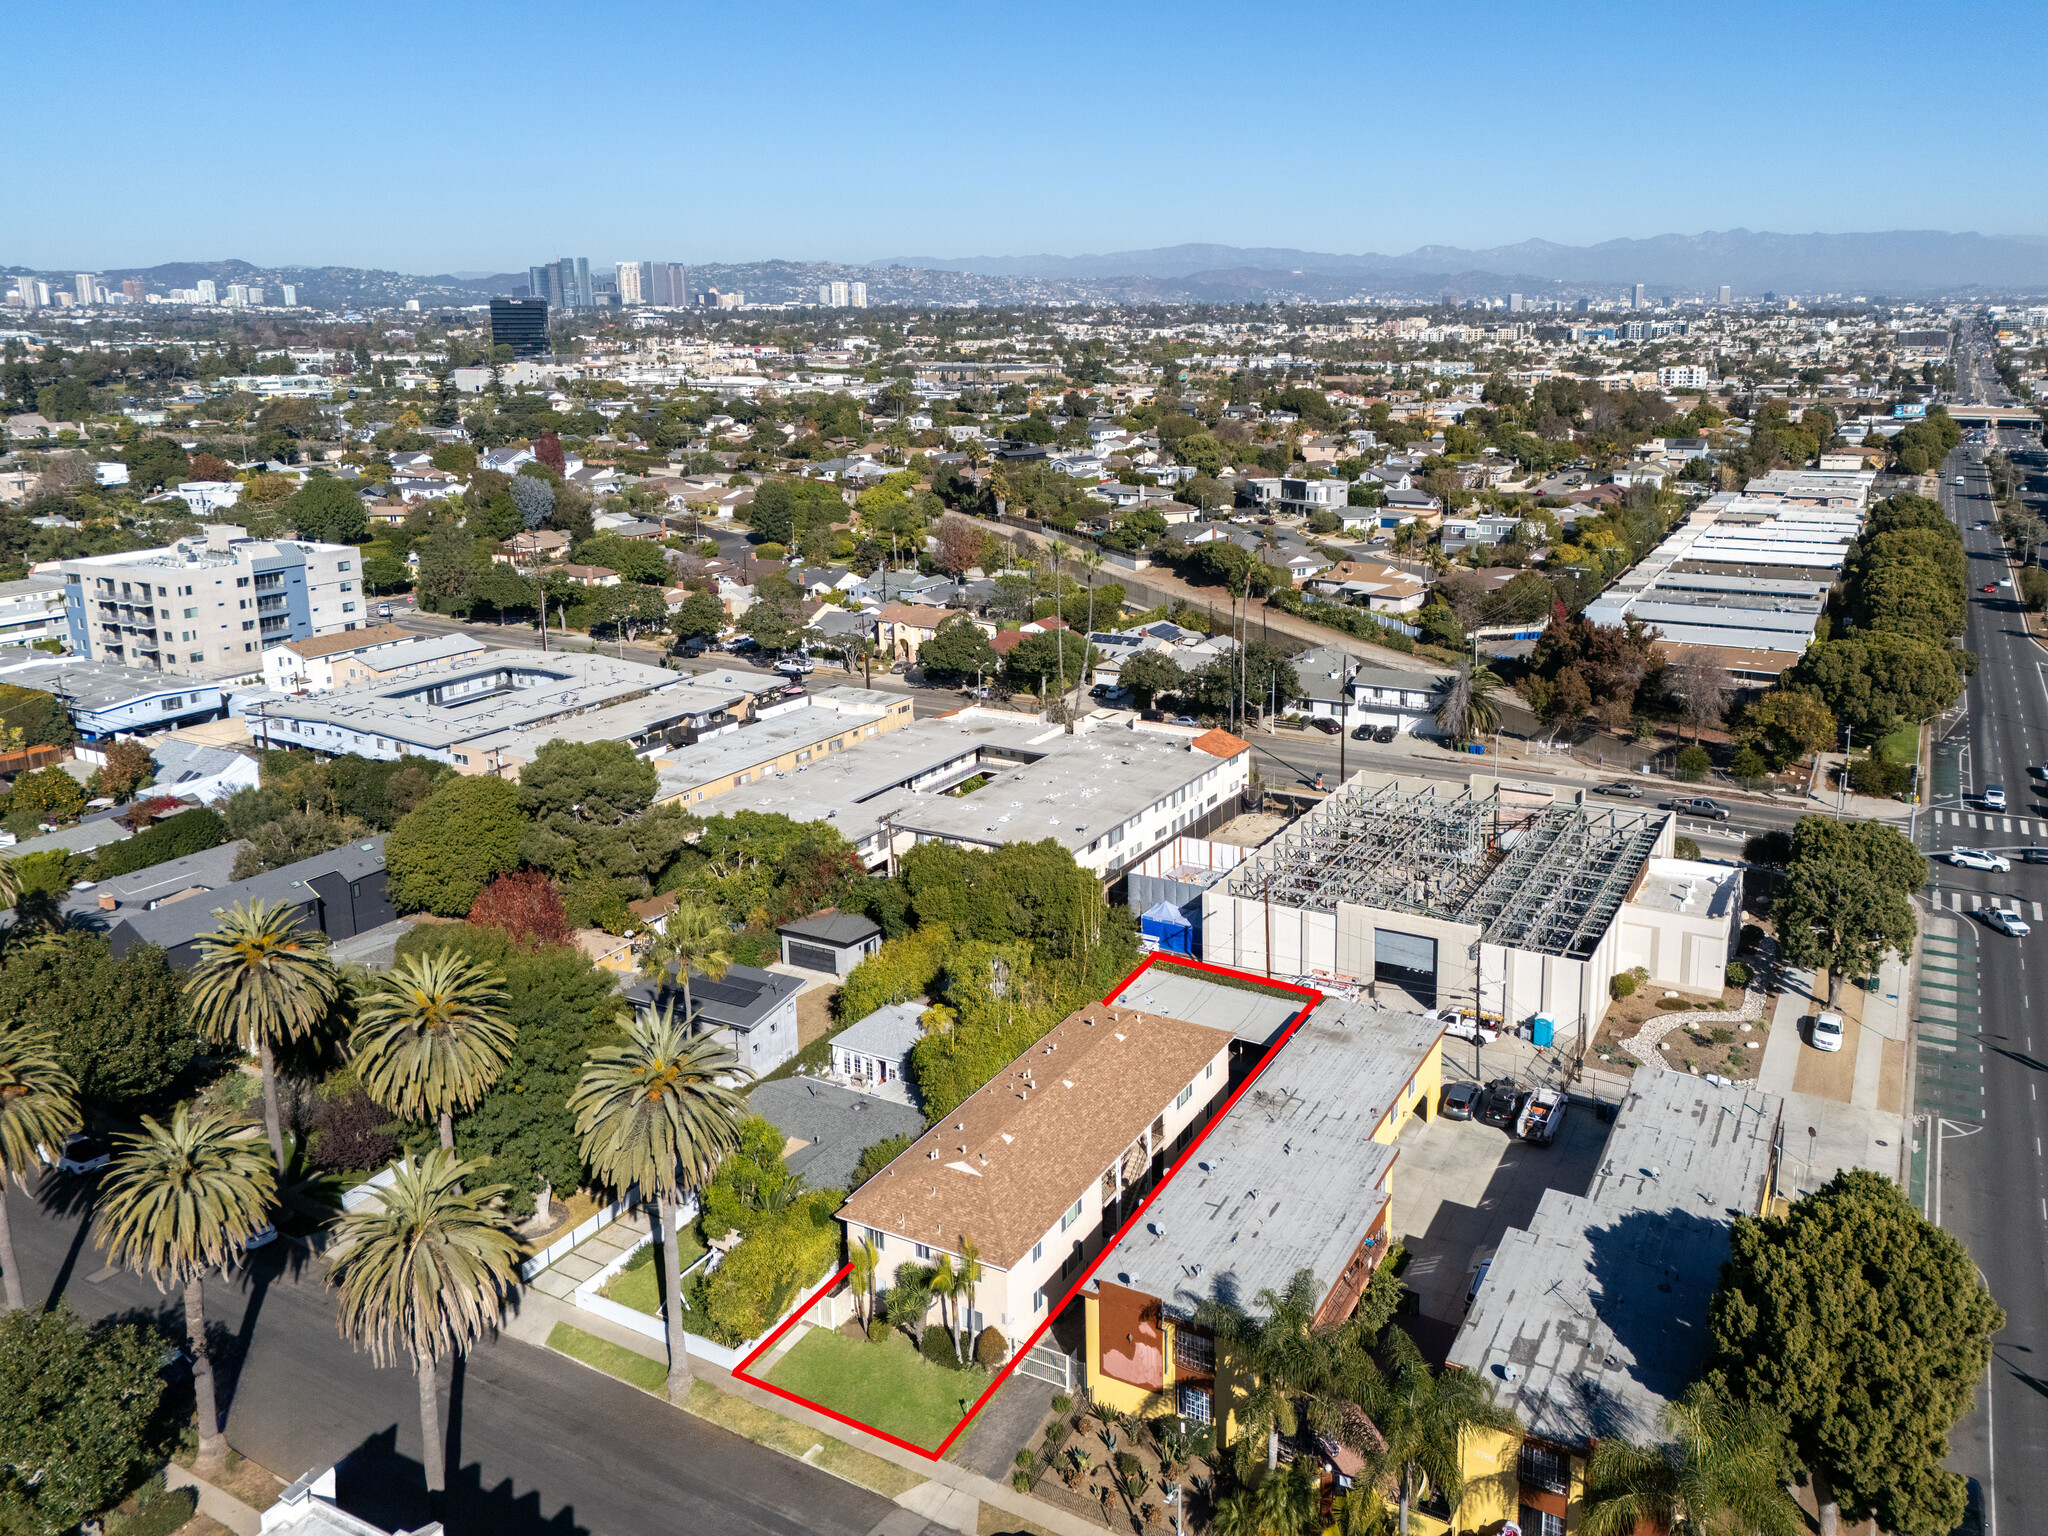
[(1168, 928)]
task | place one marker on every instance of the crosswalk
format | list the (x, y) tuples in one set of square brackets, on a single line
[(2023, 825), (1969, 901)]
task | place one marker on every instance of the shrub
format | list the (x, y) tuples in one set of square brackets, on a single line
[(1768, 848), (1057, 1431), (526, 905), (50, 794), (937, 1347), (900, 970), (1126, 1463), (1693, 763), (1738, 974), (878, 1330), (1062, 1404), (786, 1252), (770, 550), (877, 1157), (1752, 933), (1021, 1481), (350, 1130), (1722, 1036), (189, 832), (1621, 986), (991, 1348), (1026, 1459), (1685, 848), (165, 1513)]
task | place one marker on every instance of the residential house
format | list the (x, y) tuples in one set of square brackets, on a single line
[(903, 628), (874, 1052), (383, 651), (533, 546), (1305, 497), (830, 941), (1382, 588), (590, 575), (340, 894), (751, 1012)]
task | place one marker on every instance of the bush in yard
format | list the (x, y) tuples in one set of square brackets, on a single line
[(1026, 1460), (1693, 763), (1738, 974), (878, 1331), (784, 1255), (170, 1510), (1721, 1036), (1621, 986), (1685, 848), (1752, 933), (1126, 1463), (1055, 1432), (937, 1347), (991, 1349), (1063, 1404), (350, 1130), (526, 905), (1021, 1481), (900, 970)]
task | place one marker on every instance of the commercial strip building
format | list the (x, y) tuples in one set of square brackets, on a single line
[(1298, 1175), (1494, 894), (210, 604), (1042, 1164), (790, 740)]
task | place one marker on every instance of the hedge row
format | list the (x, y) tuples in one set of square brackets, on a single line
[(188, 832), (900, 970)]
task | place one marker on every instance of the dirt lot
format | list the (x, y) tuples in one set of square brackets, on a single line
[(1250, 830), (1736, 1052), (814, 1014)]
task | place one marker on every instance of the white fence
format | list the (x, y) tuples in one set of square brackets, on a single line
[(561, 1246)]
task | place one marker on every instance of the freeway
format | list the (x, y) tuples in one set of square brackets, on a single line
[(1990, 1187), (535, 1443)]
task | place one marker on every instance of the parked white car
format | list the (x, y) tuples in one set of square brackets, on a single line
[(1827, 1032), (1977, 858)]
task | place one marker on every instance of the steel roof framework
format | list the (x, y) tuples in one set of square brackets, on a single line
[(1546, 880)]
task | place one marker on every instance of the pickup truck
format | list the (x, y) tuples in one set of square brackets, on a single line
[(1541, 1117)]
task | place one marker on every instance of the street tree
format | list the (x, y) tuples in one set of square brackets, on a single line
[(1866, 1329), (38, 1109), (426, 1270), (262, 979), (1837, 916), (661, 1111), (701, 616), (1873, 680), (431, 1037), (1469, 705), (178, 1202), (1045, 659), (1149, 674), (1786, 725), (957, 649)]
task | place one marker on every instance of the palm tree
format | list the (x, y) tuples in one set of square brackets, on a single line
[(968, 1278), (661, 1111), (863, 1256), (181, 1200), (1289, 1502), (1469, 706), (1361, 1512), (261, 979), (693, 937), (38, 1109), (432, 1037), (1424, 1417), (1720, 1472), (946, 1289), (1295, 1370), (426, 1271)]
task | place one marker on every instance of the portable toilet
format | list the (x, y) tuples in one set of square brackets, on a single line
[(1543, 1030)]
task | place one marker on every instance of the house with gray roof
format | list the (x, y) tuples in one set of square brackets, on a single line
[(340, 893)]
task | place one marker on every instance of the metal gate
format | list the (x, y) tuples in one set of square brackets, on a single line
[(1045, 1361)]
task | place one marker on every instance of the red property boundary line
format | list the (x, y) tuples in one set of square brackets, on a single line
[(740, 1371)]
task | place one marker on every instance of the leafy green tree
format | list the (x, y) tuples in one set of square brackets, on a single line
[(156, 462), (1693, 762), (1748, 764), (958, 649), (775, 619), (76, 1406), (1838, 916), (1866, 1329), (431, 1037), (633, 559), (749, 864), (262, 979), (661, 1111), (1720, 1471), (38, 1109), (1908, 597), (50, 794), (701, 616), (1880, 850), (178, 1201), (123, 1030), (448, 848), (599, 782), (1150, 674), (327, 509), (1872, 680), (426, 1270), (1049, 659), (1786, 725)]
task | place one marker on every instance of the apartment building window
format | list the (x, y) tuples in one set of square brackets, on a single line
[(248, 624), (342, 566), (1194, 1351), (881, 1238), (197, 656), (172, 704), (241, 581), (1038, 1250), (923, 1252), (191, 613), (1545, 1468), (1194, 1404), (1538, 1522), (1073, 1215), (348, 607), (1038, 1301)]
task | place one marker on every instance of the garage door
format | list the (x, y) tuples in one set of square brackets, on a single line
[(812, 958), (1407, 961)]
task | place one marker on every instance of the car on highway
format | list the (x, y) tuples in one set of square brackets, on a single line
[(1701, 807), (2007, 922), (1989, 586), (1827, 1031), (1459, 1100), (1994, 797), (1977, 858), (1621, 789), (1959, 480), (2038, 771), (2005, 582)]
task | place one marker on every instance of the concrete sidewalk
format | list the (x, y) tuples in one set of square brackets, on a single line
[(215, 1503)]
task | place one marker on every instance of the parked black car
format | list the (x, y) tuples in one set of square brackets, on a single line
[(1327, 726), (1363, 733), (1383, 735), (1500, 1103)]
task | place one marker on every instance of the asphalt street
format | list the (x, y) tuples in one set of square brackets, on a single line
[(535, 1442), (1989, 1183)]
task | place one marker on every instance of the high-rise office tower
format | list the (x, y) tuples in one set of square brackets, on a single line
[(678, 284), (1514, 303), (25, 291), (839, 295), (291, 294), (583, 289), (537, 282), (857, 295), (521, 324), (135, 289), (1642, 296), (654, 282), (208, 294), (82, 284), (630, 286), (1726, 293)]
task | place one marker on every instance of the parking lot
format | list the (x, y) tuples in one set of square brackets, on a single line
[(1459, 1185)]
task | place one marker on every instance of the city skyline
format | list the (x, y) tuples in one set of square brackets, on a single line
[(1492, 145)]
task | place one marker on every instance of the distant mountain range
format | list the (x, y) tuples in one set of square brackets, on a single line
[(1898, 263)]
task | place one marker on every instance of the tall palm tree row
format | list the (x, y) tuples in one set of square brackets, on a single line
[(426, 1271), (432, 1037), (179, 1201), (38, 1110), (661, 1111), (262, 979), (1721, 1471), (696, 937)]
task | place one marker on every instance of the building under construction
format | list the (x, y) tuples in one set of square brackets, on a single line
[(1508, 894)]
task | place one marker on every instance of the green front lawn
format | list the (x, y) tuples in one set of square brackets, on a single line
[(634, 1369), (888, 1385), (1902, 746), (640, 1288)]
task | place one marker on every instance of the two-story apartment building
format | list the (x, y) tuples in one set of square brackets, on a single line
[(324, 662), (211, 603), (1045, 1162)]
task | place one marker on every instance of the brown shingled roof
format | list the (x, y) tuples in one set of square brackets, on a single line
[(350, 640), (1220, 744), (1006, 1164)]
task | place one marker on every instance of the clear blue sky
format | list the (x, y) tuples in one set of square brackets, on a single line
[(429, 137)]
